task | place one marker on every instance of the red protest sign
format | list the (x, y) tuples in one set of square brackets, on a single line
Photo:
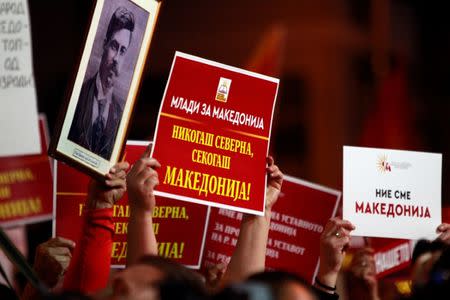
[(391, 255), (213, 133), (26, 185), (298, 219), (393, 258), (180, 227)]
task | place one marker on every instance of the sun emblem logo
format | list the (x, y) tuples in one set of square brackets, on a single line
[(383, 165)]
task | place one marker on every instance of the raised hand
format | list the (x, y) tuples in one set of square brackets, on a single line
[(106, 194)]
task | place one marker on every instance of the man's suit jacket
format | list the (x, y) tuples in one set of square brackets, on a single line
[(81, 129)]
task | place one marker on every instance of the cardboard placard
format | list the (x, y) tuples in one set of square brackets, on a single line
[(180, 227), (399, 191), (391, 255), (297, 221), (210, 138)]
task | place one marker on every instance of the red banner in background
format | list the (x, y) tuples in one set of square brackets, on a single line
[(213, 133), (391, 255), (298, 219), (26, 185), (180, 227)]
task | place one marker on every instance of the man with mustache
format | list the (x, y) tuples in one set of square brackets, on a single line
[(99, 111)]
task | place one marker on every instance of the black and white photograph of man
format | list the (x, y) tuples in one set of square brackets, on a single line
[(108, 77)]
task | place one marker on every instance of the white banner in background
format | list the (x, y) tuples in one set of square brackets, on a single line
[(19, 131)]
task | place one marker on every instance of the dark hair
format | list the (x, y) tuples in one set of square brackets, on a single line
[(7, 293), (179, 282), (440, 273), (250, 290), (276, 280), (68, 296), (439, 282), (424, 246), (122, 18)]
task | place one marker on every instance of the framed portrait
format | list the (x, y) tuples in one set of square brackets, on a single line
[(92, 127)]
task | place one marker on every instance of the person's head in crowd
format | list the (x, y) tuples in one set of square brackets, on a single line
[(246, 291), (431, 266), (115, 46), (154, 277), (437, 285), (424, 256), (284, 285)]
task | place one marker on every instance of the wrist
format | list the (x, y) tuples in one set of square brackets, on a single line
[(323, 286), (93, 203), (320, 285), (139, 203), (260, 220), (140, 212), (268, 214), (327, 278), (374, 293), (375, 296)]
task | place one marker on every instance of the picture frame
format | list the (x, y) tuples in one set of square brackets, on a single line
[(91, 130)]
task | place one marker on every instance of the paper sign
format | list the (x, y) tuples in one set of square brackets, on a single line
[(19, 131), (213, 133), (180, 227), (391, 193), (26, 186), (394, 255), (298, 219)]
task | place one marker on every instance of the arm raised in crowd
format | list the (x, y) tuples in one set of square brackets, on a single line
[(90, 265), (333, 244), (363, 280), (249, 257), (50, 263), (141, 181)]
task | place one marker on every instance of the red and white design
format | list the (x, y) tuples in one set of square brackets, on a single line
[(298, 219), (180, 227), (26, 185), (214, 152)]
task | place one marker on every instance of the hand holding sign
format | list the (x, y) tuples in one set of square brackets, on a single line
[(363, 272), (363, 268), (174, 222), (274, 183), (105, 195), (141, 181), (333, 243), (250, 252), (444, 230)]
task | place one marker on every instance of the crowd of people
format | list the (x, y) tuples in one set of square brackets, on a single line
[(81, 269)]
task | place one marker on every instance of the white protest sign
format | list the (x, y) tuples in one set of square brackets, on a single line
[(19, 131), (391, 193)]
